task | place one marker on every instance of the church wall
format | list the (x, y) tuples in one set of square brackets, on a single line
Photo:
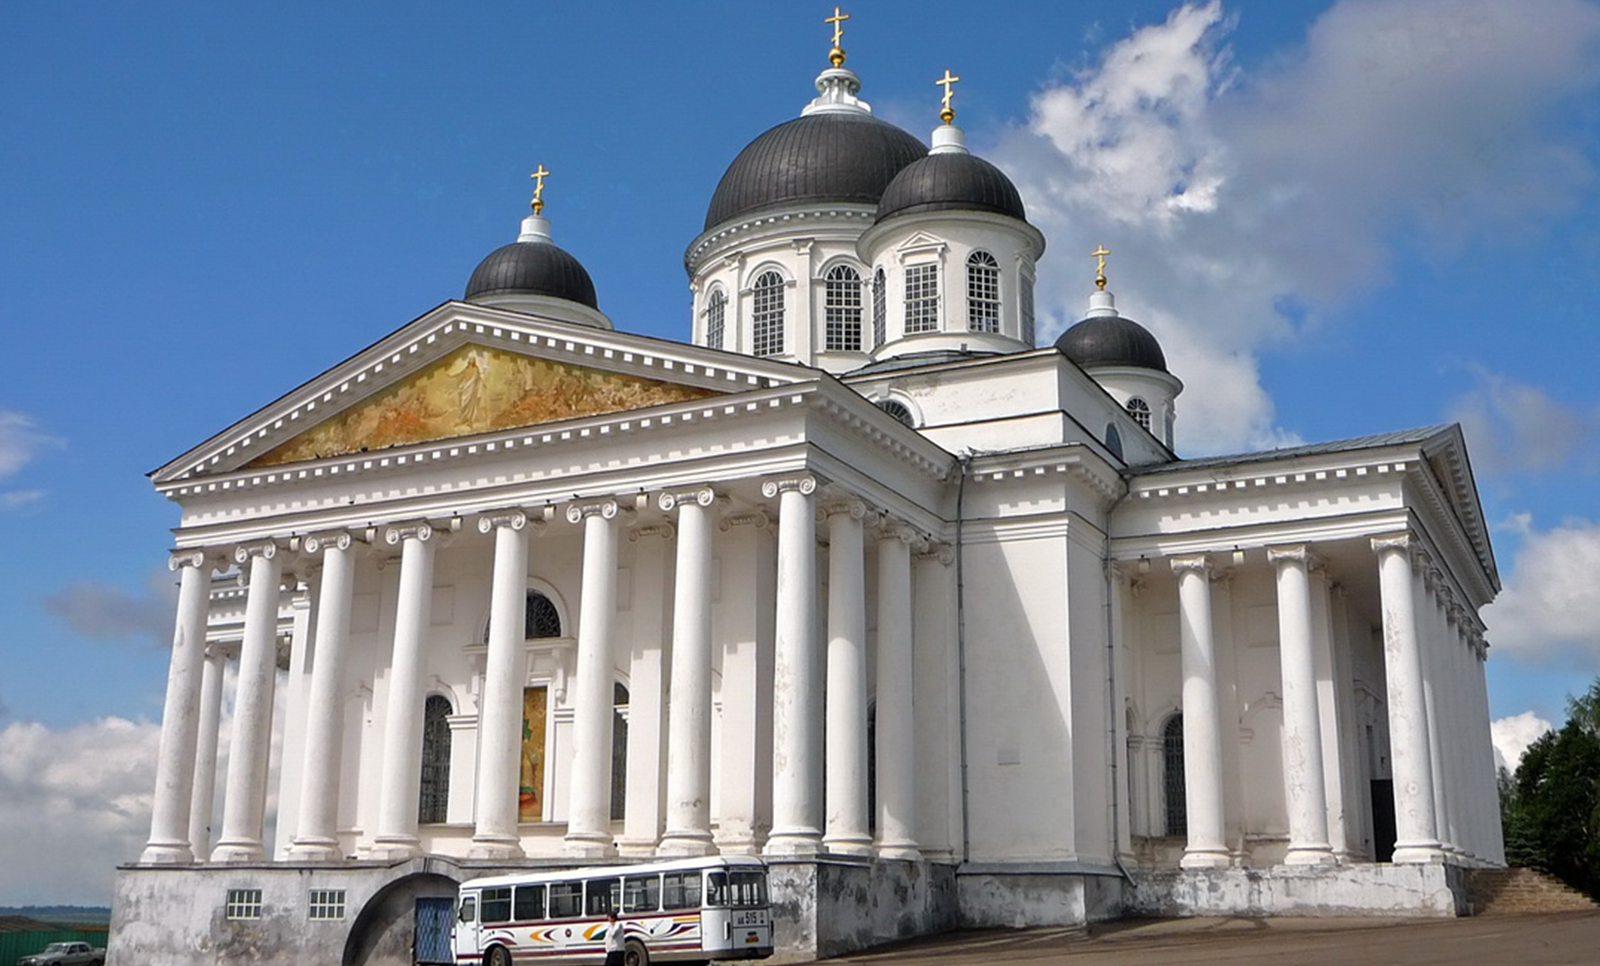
[(938, 708), (1091, 722)]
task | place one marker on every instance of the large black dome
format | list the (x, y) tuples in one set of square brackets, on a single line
[(1111, 340), (951, 181), (826, 157), (532, 268)]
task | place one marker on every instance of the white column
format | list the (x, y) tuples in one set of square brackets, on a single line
[(1416, 833), (400, 773), (203, 800), (589, 810), (846, 828), (316, 833), (244, 799), (688, 829), (169, 814), (797, 696), (1434, 696), (1202, 739), (896, 722), (500, 715), (1304, 789)]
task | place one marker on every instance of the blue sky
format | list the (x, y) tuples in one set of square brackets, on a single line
[(1341, 218)]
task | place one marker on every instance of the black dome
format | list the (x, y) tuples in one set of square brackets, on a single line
[(951, 181), (837, 157), (532, 268), (1111, 340)]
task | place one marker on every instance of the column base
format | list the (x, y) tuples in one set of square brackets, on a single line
[(315, 850), (1310, 855), (1206, 859), (394, 849), (237, 852), (793, 844), (847, 844), (1420, 853), (587, 847), (166, 853), (686, 844), (900, 851), (495, 847)]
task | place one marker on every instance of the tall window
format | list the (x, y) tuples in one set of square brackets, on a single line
[(880, 309), (1172, 775), (766, 312), (842, 310), (983, 293), (716, 318), (435, 797), (922, 298), (541, 618), (619, 752), (1140, 411), (1025, 303)]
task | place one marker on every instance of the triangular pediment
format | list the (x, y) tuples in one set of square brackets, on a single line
[(476, 389), (471, 370), (921, 241)]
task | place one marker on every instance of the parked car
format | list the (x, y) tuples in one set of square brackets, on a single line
[(65, 954)]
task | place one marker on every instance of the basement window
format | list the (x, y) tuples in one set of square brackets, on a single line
[(243, 904)]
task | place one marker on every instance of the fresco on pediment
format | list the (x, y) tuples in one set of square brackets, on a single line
[(476, 390)]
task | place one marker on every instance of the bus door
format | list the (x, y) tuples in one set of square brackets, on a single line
[(465, 935)]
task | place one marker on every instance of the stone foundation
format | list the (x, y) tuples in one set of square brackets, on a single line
[(1346, 890)]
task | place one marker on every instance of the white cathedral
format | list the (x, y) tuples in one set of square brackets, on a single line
[(859, 579)]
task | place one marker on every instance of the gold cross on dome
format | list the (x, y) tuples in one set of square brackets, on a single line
[(836, 55), (946, 112), (538, 188), (1100, 252)]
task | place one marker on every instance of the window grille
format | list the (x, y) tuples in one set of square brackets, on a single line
[(716, 318), (243, 904), (1140, 411), (842, 310), (542, 619), (922, 298), (1172, 775), (983, 293), (326, 904), (880, 309), (766, 314), (898, 410), (1025, 302), (434, 799)]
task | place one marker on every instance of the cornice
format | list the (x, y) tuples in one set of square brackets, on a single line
[(1175, 487), (1076, 461), (712, 242)]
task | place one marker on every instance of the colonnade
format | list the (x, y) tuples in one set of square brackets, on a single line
[(1433, 649), (812, 813)]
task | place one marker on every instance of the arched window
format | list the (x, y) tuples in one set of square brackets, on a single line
[(1025, 303), (1140, 411), (434, 801), (716, 316), (1172, 775), (619, 752), (766, 313), (983, 293), (898, 410), (841, 308), (541, 619), (880, 309), (922, 299), (1113, 441)]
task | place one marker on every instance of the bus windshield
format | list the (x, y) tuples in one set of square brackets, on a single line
[(736, 888)]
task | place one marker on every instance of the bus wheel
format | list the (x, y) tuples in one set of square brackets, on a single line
[(498, 956), (636, 954)]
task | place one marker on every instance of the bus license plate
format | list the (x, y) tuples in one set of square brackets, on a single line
[(750, 917)]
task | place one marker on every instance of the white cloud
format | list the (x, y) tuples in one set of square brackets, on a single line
[(1276, 197), (1550, 604), (21, 441), (1514, 427), (1513, 735), (100, 610)]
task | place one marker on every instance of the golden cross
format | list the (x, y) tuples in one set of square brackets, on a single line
[(1100, 252), (836, 55), (946, 112), (538, 188)]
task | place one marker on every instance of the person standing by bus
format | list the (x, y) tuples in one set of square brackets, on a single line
[(615, 947)]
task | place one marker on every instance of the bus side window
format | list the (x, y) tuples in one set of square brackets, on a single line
[(497, 904), (717, 889), (680, 890), (469, 909), (566, 900), (603, 895), (529, 904), (641, 893)]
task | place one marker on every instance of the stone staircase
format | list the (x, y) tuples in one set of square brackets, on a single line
[(1502, 892)]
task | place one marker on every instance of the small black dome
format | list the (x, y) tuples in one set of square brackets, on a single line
[(1111, 340), (951, 181), (827, 157), (532, 268)]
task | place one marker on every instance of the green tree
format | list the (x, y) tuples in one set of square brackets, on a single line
[(1551, 808)]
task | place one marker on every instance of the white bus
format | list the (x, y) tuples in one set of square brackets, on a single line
[(686, 910)]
